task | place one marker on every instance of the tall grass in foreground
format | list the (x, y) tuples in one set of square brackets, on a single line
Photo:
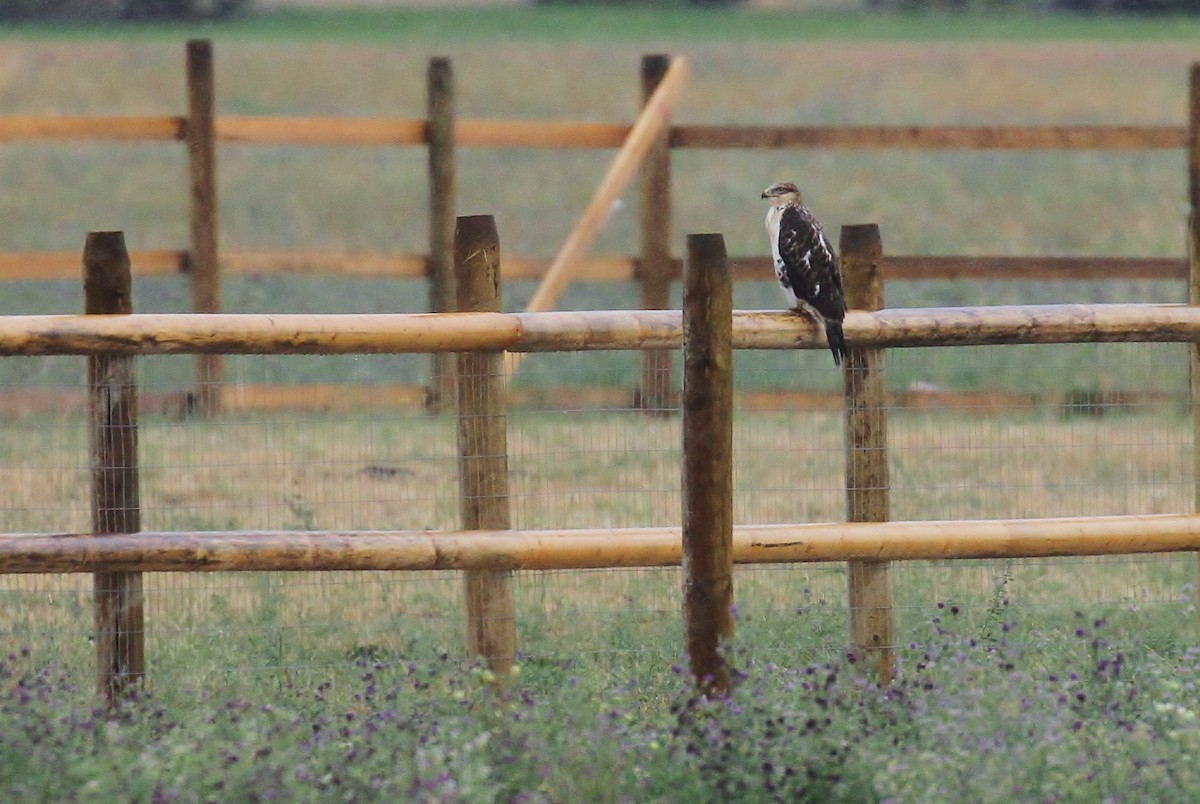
[(972, 717)]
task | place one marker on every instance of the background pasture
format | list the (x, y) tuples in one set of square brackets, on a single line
[(385, 468), (949, 202)]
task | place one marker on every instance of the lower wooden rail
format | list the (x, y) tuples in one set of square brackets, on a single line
[(596, 548)]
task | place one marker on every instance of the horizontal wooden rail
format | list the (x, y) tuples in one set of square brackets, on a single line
[(320, 130), (383, 131), (336, 264), (408, 131), (42, 265), (931, 137), (540, 134), (293, 551), (220, 333), (1005, 268), (1029, 268), (56, 127), (326, 397)]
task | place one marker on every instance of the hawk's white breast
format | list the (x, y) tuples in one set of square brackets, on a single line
[(774, 214)]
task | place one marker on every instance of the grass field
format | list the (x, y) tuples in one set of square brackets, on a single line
[(308, 684), (824, 68), (988, 706)]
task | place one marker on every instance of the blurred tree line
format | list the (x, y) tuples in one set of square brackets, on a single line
[(1079, 6), (119, 9), (1037, 6), (1131, 6)]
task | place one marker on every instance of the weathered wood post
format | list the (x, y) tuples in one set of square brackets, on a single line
[(202, 172), (654, 268), (483, 444), (707, 459), (112, 418), (442, 203), (867, 479), (1193, 250)]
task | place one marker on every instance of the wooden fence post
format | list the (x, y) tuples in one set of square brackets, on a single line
[(483, 444), (202, 172), (707, 459), (867, 481), (654, 269), (1193, 250), (442, 202), (112, 417)]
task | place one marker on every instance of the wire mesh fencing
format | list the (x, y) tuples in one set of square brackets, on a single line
[(1106, 440)]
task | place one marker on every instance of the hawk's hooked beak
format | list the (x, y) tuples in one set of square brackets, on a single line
[(764, 195)]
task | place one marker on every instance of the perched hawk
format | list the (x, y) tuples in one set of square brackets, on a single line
[(805, 264)]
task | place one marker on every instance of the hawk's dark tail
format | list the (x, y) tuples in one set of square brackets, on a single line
[(837, 341)]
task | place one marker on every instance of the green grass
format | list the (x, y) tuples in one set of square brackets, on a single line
[(1086, 710), (668, 23), (294, 471), (1000, 716)]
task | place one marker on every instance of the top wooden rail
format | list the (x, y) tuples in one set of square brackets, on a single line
[(381, 131), (423, 333)]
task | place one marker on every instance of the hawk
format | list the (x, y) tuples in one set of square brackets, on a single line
[(805, 264)]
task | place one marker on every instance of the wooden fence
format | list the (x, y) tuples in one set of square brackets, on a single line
[(707, 544), (442, 132)]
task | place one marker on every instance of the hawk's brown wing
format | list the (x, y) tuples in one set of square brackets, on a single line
[(809, 265)]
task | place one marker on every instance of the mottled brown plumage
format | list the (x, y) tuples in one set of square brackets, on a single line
[(805, 265)]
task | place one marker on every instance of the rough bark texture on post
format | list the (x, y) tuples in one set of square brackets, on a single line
[(654, 270), (442, 204), (483, 444), (112, 416), (867, 481), (202, 172), (707, 459)]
